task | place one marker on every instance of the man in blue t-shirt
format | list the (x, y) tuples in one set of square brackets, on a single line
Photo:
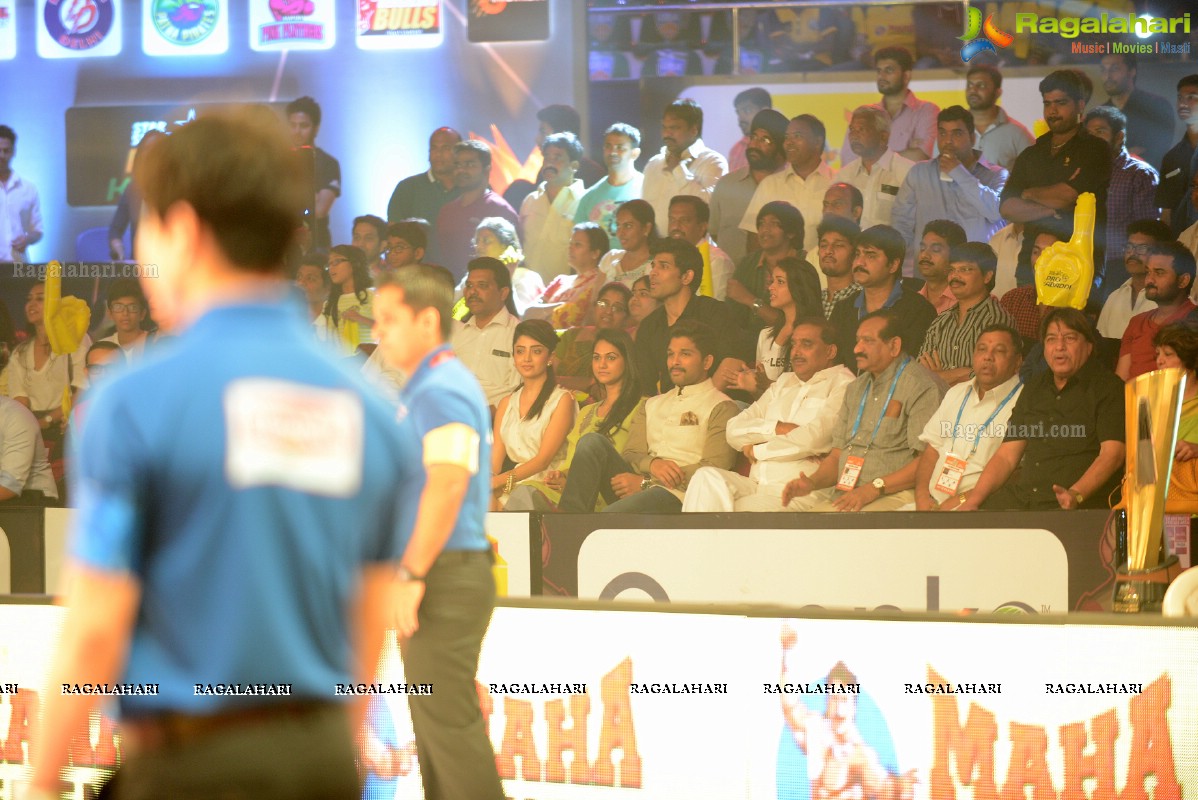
[(241, 498), (446, 589)]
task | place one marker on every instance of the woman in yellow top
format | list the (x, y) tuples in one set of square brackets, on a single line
[(348, 316), (615, 372), (1177, 346)]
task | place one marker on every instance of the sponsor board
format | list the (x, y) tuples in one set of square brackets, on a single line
[(185, 27), (78, 28), (8, 29), (1019, 570), (645, 704), (291, 25), (399, 24)]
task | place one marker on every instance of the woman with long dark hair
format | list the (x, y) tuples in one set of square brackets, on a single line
[(795, 293), (619, 398), (348, 317), (531, 424)]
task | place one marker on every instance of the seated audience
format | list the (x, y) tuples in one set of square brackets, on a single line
[(688, 221), (780, 233), (457, 221), (483, 338), (677, 271), (940, 236), (38, 378), (369, 235), (128, 308), (573, 353), (547, 213), (636, 230), (103, 357), (1130, 195), (1128, 300), (312, 278), (784, 434), (497, 238), (348, 317), (669, 439), (25, 475), (621, 149), (877, 267), (962, 435), (1021, 302), (844, 200), (872, 465), (1066, 433), (618, 400), (531, 424), (794, 292), (566, 302), (837, 246), (407, 244), (1170, 276), (1177, 346), (641, 304), (949, 350)]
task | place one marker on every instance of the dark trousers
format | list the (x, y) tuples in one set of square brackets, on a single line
[(286, 756), (452, 745), (595, 463)]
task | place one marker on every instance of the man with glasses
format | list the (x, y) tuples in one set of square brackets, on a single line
[(127, 307), (1130, 299), (407, 242)]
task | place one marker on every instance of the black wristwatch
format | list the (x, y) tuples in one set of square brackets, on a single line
[(407, 576)]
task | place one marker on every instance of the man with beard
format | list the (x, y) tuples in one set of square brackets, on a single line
[(879, 171), (1062, 164), (621, 149), (1150, 122), (547, 213), (685, 165), (1130, 299), (912, 121), (1170, 277), (734, 191), (837, 243), (1172, 194), (802, 182), (458, 219), (957, 185), (1000, 138)]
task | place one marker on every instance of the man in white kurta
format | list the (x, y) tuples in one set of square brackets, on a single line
[(784, 434)]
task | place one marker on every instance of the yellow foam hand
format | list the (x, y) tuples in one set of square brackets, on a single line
[(1065, 271), (66, 318)]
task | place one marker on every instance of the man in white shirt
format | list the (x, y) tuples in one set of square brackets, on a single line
[(971, 421), (685, 165), (25, 476), (688, 221), (547, 213), (128, 308), (784, 434), (878, 172), (483, 340), (802, 182), (670, 438), (20, 211), (1129, 299)]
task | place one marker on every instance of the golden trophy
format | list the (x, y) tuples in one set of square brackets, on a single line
[(1153, 409)]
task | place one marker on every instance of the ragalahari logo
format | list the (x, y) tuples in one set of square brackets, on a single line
[(990, 35)]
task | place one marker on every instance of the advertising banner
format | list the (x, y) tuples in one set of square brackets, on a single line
[(8, 29), (592, 704), (291, 25), (185, 27), (399, 24), (78, 28)]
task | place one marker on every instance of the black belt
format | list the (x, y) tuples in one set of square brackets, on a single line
[(143, 734), (464, 556)]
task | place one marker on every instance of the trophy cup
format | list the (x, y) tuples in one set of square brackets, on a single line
[(1153, 409)]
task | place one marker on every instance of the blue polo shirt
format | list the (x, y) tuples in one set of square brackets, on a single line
[(244, 478), (442, 391)]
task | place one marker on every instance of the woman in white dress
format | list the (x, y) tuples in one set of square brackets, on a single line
[(532, 423)]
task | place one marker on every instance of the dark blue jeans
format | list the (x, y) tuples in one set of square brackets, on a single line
[(595, 463)]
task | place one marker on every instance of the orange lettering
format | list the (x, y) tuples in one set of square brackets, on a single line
[(24, 711), (382, 18), (1029, 748), (518, 741), (1151, 744), (1100, 765), (573, 739), (617, 731), (973, 746), (428, 18)]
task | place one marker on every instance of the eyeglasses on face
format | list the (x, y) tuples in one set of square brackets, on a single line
[(122, 308)]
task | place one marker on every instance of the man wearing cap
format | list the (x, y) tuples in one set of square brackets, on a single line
[(735, 191)]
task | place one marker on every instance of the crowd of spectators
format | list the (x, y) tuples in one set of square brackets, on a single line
[(776, 335)]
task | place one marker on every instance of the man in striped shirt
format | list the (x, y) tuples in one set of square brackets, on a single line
[(948, 348)]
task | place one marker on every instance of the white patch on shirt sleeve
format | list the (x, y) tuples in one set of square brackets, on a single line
[(293, 436)]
